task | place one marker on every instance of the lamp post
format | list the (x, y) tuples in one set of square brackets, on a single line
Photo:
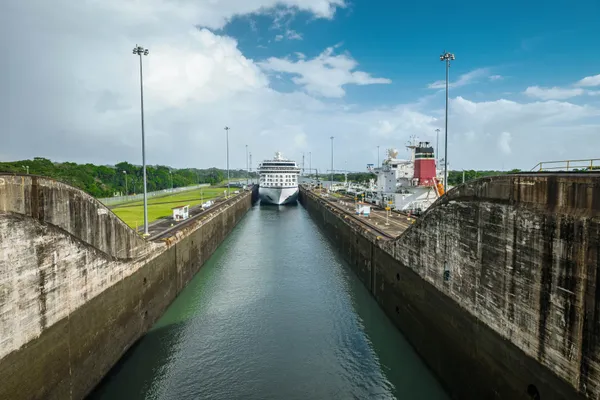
[(171, 176), (446, 57), (331, 187), (126, 190), (302, 163), (309, 162), (227, 139), (139, 51), (377, 156), (26, 168), (247, 169)]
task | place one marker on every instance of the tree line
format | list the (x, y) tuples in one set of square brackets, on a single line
[(121, 178)]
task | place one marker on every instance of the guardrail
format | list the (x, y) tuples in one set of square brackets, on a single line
[(568, 165), (109, 201)]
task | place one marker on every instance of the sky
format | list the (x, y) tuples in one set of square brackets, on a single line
[(286, 75)]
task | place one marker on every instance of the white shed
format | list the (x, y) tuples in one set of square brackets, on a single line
[(181, 212), (363, 209)]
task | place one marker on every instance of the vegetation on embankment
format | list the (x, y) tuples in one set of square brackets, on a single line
[(133, 213), (106, 181)]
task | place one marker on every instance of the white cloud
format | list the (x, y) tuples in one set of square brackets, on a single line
[(204, 68), (211, 14), (464, 79), (86, 104), (293, 35), (552, 93), (504, 142), (589, 81), (290, 34), (324, 75), (495, 77), (539, 131)]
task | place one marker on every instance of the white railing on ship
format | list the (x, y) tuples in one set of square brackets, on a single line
[(568, 165)]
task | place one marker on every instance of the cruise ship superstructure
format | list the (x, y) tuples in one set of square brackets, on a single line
[(278, 182), (408, 185)]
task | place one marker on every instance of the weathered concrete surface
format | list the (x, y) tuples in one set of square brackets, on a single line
[(521, 303), (78, 287)]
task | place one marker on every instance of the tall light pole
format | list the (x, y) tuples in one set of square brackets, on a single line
[(171, 176), (26, 168), (309, 162), (227, 135), (331, 187), (302, 163), (139, 51), (446, 57), (377, 156), (247, 169), (250, 156), (126, 190)]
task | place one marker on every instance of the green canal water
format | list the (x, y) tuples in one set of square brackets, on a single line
[(274, 314)]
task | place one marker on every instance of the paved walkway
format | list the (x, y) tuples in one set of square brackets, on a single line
[(393, 225)]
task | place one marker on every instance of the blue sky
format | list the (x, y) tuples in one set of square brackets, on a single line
[(542, 43), (288, 74)]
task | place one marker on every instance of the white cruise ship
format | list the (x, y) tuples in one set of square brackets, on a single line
[(278, 181)]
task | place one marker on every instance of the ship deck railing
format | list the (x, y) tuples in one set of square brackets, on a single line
[(589, 164)]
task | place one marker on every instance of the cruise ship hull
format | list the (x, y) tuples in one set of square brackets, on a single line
[(278, 196)]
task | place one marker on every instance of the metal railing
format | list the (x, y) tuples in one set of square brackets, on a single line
[(568, 165), (110, 201)]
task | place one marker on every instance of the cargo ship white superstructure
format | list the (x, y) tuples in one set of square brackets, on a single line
[(278, 182), (408, 185)]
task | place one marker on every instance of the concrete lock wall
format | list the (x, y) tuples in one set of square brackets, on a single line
[(78, 287), (518, 311)]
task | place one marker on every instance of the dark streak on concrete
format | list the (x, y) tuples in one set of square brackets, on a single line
[(555, 229), (590, 340), (545, 283), (72, 355)]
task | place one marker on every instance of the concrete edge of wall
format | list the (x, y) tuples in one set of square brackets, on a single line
[(71, 356), (491, 367), (72, 210)]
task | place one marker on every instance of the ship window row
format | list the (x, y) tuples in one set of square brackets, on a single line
[(279, 171), (280, 175), (279, 180)]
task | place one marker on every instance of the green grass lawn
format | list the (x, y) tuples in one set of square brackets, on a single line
[(133, 213)]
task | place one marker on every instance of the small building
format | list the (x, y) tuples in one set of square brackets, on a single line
[(181, 213), (363, 209)]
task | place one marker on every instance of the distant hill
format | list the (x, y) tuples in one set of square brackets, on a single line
[(106, 180)]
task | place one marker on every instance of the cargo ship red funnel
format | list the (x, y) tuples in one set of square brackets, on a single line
[(425, 172)]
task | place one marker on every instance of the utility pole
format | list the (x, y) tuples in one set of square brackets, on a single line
[(126, 190), (437, 146), (446, 57), (331, 187), (302, 163), (139, 51), (227, 135), (247, 169)]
